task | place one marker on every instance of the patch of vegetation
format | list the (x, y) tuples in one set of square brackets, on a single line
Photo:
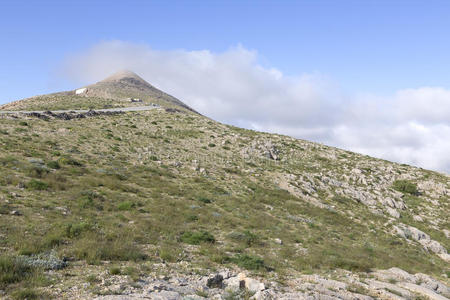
[(13, 270), (125, 205), (69, 161), (197, 237), (54, 165), (115, 271), (204, 200), (246, 237), (248, 262), (405, 186), (37, 185)]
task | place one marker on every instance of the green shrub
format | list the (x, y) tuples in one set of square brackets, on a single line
[(192, 218), (248, 262), (211, 145), (246, 237), (204, 199), (198, 237), (37, 185), (75, 230), (405, 186), (23, 123), (125, 205), (69, 161), (114, 271), (54, 165)]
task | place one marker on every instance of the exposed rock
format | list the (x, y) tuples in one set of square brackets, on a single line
[(409, 232), (215, 282), (422, 290), (432, 284), (393, 212), (242, 281), (278, 241), (447, 233)]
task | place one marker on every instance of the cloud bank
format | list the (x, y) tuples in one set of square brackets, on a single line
[(411, 126)]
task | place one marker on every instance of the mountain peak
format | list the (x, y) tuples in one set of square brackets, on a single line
[(126, 76), (123, 74), (116, 90)]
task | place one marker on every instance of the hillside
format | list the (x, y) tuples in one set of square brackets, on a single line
[(153, 204)]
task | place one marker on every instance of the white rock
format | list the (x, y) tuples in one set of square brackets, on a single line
[(80, 91), (418, 218), (393, 212), (422, 290), (447, 233)]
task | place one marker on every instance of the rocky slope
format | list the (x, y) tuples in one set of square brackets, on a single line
[(168, 204)]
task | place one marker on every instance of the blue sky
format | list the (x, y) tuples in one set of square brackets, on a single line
[(368, 76), (367, 46)]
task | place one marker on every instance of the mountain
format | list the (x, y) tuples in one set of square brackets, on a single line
[(117, 90), (169, 204)]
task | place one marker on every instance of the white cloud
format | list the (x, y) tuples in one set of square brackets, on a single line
[(412, 126)]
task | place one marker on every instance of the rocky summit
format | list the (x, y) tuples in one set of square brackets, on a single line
[(118, 190)]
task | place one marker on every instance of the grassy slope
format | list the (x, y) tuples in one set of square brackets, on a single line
[(144, 186)]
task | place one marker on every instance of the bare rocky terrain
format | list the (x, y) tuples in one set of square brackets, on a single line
[(163, 203)]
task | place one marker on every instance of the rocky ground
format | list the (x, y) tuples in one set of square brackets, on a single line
[(393, 283)]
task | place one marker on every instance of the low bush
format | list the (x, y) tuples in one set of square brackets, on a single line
[(246, 237), (204, 200), (76, 229), (405, 186), (69, 161), (198, 237), (248, 262), (37, 185), (125, 205), (54, 165), (115, 271)]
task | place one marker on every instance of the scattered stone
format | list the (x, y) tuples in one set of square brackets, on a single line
[(215, 282), (15, 213), (174, 110), (278, 241)]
